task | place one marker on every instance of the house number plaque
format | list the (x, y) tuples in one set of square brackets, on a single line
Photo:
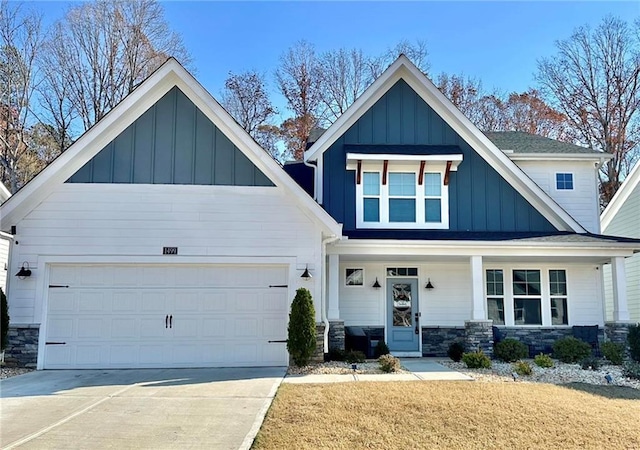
[(169, 250)]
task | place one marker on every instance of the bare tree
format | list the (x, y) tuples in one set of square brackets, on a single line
[(298, 80), (417, 52), (100, 51), (344, 75), (529, 112), (595, 81), (20, 34)]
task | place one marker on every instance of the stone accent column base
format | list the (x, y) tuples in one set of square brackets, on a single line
[(22, 346), (618, 332), (479, 335), (318, 355), (336, 334)]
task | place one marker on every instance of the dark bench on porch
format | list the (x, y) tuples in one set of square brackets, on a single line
[(359, 339), (534, 349), (588, 334)]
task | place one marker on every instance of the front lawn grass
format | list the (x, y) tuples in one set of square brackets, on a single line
[(451, 415)]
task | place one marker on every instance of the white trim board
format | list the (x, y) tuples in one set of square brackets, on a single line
[(404, 69)]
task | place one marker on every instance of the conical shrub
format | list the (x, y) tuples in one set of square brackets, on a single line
[(301, 336)]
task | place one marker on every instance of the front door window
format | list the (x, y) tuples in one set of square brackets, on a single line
[(402, 305)]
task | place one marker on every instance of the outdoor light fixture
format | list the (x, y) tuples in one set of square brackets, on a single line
[(609, 378), (429, 285), (515, 376), (306, 275), (24, 271), (376, 285)]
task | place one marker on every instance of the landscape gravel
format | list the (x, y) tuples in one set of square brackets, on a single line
[(7, 372)]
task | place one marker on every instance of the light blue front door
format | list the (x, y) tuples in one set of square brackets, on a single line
[(402, 308)]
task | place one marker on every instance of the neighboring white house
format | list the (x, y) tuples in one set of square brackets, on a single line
[(622, 218), (5, 239)]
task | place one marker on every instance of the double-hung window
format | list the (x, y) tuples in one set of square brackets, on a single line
[(433, 197), (495, 296), (558, 297), (371, 197), (527, 297), (402, 197)]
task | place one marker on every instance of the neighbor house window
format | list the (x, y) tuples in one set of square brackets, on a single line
[(558, 297), (564, 181), (354, 277), (495, 296), (371, 196), (527, 297)]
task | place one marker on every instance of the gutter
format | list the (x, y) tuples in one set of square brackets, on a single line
[(323, 288)]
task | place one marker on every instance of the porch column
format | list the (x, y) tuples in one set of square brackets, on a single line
[(619, 282), (333, 288), (478, 311)]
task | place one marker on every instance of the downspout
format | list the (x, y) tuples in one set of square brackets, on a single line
[(323, 287), (315, 178)]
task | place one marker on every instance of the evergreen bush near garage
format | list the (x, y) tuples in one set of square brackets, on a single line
[(634, 341), (455, 352), (301, 332), (511, 350), (571, 350), (4, 324)]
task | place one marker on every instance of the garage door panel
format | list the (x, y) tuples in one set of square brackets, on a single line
[(116, 316)]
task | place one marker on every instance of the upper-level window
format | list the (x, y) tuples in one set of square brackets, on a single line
[(564, 181), (407, 200)]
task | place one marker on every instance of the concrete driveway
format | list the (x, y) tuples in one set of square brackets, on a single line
[(151, 408)]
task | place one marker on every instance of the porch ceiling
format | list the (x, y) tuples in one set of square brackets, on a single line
[(434, 259)]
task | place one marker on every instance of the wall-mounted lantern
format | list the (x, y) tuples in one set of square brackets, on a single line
[(24, 271)]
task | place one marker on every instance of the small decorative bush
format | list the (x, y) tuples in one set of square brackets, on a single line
[(613, 352), (335, 354), (631, 369), (455, 352), (389, 363), (381, 349), (543, 361), (511, 350), (354, 356), (301, 332), (4, 325), (476, 360), (522, 368), (634, 341), (571, 350), (590, 363)]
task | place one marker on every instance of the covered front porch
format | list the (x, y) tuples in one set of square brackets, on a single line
[(423, 295)]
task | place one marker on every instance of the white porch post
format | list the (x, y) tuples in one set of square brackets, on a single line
[(619, 282), (333, 288), (478, 311)]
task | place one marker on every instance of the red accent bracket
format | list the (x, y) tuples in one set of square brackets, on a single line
[(384, 172), (359, 173), (446, 173), (421, 174)]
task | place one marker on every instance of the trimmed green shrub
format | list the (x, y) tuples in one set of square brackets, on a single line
[(613, 352), (510, 350), (634, 341), (455, 352), (4, 324), (522, 368), (381, 349), (476, 360), (631, 369), (389, 363), (354, 356), (543, 361), (301, 332), (335, 354), (571, 350), (590, 363)]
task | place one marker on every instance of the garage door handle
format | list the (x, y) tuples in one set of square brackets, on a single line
[(170, 321), (55, 343), (166, 321)]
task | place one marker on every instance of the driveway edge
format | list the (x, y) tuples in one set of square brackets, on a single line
[(257, 423)]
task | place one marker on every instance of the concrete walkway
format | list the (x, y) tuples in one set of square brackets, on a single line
[(424, 369)]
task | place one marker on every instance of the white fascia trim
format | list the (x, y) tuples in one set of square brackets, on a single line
[(480, 248), (620, 197), (4, 193), (170, 74), (353, 158), (559, 156), (404, 69)]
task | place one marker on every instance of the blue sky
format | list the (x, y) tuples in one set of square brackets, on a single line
[(497, 42)]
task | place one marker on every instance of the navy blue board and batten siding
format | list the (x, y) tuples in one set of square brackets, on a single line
[(173, 142), (401, 122)]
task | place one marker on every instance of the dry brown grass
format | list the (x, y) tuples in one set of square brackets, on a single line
[(451, 415)]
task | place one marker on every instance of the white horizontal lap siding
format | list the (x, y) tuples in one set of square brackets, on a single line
[(626, 223), (103, 220), (449, 303), (584, 295), (581, 202), (362, 305), (4, 262)]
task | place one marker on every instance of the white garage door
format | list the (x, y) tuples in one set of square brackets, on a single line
[(131, 316)]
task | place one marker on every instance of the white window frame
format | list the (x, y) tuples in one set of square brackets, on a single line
[(355, 286), (573, 181), (502, 297), (564, 297), (545, 295), (420, 197)]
